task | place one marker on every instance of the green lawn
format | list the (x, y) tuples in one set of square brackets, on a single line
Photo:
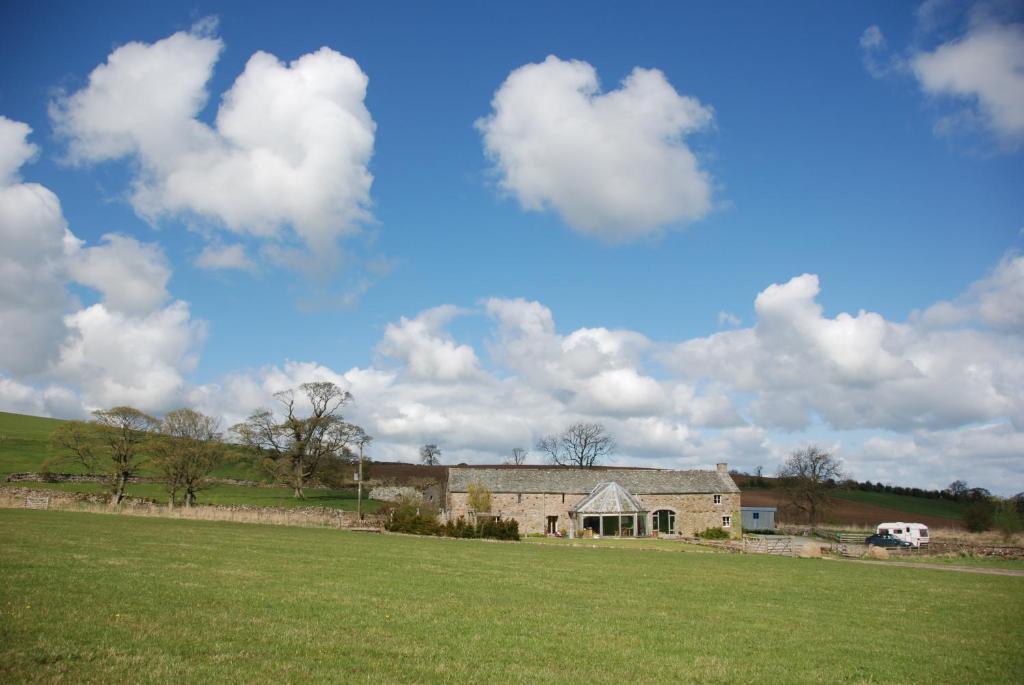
[(913, 505), (230, 494), (105, 598)]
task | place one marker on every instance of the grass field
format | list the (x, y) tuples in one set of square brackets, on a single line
[(101, 598), (914, 505)]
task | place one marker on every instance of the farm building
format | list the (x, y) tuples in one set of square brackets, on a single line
[(758, 518), (621, 502)]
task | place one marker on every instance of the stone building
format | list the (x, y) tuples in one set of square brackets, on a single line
[(603, 501)]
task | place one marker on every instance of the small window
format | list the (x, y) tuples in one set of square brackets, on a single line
[(563, 498), (727, 522), (757, 515), (718, 499), (519, 498)]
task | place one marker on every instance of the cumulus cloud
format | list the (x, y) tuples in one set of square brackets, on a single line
[(33, 298), (286, 160), (132, 276), (979, 71), (426, 350), (996, 300), (614, 165), (985, 68), (58, 359)]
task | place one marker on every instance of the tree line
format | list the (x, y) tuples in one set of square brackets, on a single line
[(305, 439)]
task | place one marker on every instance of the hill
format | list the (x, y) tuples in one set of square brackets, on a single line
[(23, 447)]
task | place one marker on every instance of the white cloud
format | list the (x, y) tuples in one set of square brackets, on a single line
[(996, 300), (985, 67), (139, 361), (424, 348), (225, 257), (132, 276), (613, 165), (728, 319), (125, 350), (287, 159), (32, 232), (15, 150)]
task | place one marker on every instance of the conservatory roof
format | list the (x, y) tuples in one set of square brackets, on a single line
[(609, 498)]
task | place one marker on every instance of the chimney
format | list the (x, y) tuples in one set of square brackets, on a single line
[(723, 467)]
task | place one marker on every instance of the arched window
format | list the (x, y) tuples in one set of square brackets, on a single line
[(663, 521)]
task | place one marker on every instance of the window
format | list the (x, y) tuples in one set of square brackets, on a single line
[(519, 498), (718, 499), (563, 498), (727, 522), (757, 515)]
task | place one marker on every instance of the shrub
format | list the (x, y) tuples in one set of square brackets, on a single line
[(714, 534), (1008, 520), (411, 516), (978, 516)]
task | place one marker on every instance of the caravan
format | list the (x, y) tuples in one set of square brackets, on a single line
[(914, 533)]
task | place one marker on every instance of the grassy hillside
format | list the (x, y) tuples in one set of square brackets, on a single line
[(99, 598), (25, 447), (23, 441), (914, 505)]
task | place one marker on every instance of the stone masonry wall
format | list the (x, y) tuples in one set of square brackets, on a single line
[(694, 513)]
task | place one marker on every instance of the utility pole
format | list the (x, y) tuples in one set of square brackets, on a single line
[(359, 479)]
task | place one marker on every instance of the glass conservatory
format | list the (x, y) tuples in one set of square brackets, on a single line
[(609, 510)]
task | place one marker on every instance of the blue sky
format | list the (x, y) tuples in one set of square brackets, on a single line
[(884, 162)]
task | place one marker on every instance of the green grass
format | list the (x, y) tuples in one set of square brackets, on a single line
[(974, 562), (230, 494), (653, 544), (912, 505), (104, 598), (24, 446), (23, 441)]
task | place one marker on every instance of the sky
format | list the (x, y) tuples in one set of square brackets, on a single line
[(725, 232)]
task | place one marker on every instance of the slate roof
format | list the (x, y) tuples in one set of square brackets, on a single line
[(609, 498), (583, 481)]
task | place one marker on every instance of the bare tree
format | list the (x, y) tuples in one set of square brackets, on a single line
[(124, 431), (808, 476), (188, 450), (430, 455), (582, 445), (518, 457), (75, 442), (957, 489), (293, 446), (114, 441)]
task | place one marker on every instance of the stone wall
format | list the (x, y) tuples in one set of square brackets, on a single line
[(694, 513), (392, 493), (302, 516)]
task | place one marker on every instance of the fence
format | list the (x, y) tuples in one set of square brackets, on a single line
[(775, 545)]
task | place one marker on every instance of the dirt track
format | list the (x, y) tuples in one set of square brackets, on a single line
[(853, 512)]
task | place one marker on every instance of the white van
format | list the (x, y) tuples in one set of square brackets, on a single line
[(914, 533)]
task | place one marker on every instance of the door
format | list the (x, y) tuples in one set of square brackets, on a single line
[(664, 521)]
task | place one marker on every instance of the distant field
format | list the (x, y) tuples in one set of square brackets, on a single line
[(852, 507), (101, 598)]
